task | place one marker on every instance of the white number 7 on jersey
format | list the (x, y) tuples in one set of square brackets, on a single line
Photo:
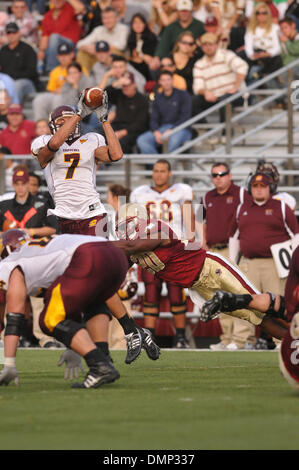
[(74, 158)]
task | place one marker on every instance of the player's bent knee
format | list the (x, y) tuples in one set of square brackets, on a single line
[(15, 323), (101, 309), (66, 330)]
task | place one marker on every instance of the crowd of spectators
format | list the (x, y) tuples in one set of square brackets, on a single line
[(50, 49)]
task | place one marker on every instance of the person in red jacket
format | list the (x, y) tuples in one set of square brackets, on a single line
[(59, 25), (19, 133)]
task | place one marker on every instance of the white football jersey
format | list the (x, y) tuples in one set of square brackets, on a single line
[(71, 177), (43, 260), (287, 198), (167, 205)]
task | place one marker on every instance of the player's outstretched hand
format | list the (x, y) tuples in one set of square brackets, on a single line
[(9, 374), (83, 110), (102, 111), (72, 362)]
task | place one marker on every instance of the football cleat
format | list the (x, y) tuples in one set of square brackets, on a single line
[(104, 373), (212, 307), (148, 344), (134, 345)]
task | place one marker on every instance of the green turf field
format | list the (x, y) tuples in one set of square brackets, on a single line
[(185, 400)]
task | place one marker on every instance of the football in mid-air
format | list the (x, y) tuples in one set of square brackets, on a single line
[(93, 97)]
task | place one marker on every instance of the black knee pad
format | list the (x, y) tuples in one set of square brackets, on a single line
[(66, 330), (15, 324), (150, 306), (93, 312)]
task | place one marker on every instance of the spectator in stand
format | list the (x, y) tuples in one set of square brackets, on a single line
[(18, 60), (203, 10), (76, 81), (35, 182), (185, 54), (113, 32), (59, 25), (19, 133), (227, 13), (43, 103), (170, 108), (8, 84), (179, 82), (26, 22), (186, 22), (104, 60), (278, 8), (292, 11), (262, 46), (218, 75), (163, 13), (220, 205), (40, 5), (289, 41), (261, 223), (130, 119), (115, 73), (126, 10), (142, 44), (42, 127), (5, 102)]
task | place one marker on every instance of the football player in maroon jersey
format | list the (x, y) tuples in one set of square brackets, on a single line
[(154, 246)]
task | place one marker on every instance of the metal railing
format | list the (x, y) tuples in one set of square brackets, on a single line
[(125, 170), (227, 103)]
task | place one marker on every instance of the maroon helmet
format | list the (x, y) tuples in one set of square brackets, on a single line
[(12, 240), (131, 222), (60, 112)]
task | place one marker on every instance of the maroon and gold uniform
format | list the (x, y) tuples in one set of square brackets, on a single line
[(188, 265), (289, 351)]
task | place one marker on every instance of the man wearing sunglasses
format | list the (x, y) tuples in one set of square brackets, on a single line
[(219, 207)]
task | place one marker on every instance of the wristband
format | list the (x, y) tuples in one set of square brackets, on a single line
[(31, 232), (50, 148)]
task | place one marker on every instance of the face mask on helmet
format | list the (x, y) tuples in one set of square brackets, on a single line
[(131, 221), (61, 112), (12, 240)]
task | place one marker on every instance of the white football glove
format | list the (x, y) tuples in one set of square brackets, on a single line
[(83, 110), (8, 374), (72, 364), (102, 111)]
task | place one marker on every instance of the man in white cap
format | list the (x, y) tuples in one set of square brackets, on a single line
[(186, 22)]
